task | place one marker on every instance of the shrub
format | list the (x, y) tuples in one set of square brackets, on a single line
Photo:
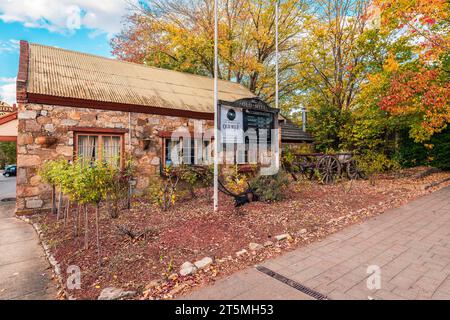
[(195, 177), (375, 162), (87, 183), (118, 188), (440, 153), (54, 172), (288, 160), (164, 191), (7, 153), (270, 188), (236, 181), (435, 152)]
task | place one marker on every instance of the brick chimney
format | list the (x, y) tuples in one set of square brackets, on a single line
[(22, 76)]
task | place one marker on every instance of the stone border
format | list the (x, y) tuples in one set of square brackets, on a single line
[(49, 256)]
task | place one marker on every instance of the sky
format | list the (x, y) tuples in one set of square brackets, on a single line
[(80, 25)]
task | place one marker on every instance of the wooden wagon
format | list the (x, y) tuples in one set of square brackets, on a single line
[(326, 167)]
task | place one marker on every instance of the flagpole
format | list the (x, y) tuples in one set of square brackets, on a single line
[(276, 54), (277, 150), (216, 110)]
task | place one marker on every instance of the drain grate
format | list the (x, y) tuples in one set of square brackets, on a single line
[(294, 284), (8, 199)]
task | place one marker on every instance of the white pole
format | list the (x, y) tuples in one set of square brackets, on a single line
[(277, 147), (276, 54), (216, 136)]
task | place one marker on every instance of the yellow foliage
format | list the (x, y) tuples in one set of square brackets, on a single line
[(391, 64)]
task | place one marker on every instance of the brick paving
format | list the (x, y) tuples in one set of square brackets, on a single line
[(410, 245)]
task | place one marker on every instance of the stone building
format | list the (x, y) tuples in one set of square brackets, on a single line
[(74, 104)]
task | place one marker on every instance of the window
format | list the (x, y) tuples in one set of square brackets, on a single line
[(104, 147), (190, 151)]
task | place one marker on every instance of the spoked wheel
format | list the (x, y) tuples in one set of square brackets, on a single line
[(353, 172), (329, 169), (305, 167)]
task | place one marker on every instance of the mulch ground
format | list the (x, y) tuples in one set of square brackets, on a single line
[(191, 230)]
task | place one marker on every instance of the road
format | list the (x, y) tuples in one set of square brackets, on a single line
[(7, 187)]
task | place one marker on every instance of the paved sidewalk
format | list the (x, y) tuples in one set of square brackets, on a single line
[(410, 245), (24, 272)]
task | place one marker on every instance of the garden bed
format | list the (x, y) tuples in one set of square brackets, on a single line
[(192, 231)]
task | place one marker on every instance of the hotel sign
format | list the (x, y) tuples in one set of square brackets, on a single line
[(231, 125), (5, 108)]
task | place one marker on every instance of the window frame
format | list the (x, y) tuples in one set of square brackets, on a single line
[(165, 139), (100, 134)]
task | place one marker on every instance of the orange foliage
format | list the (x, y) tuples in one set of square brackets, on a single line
[(420, 93)]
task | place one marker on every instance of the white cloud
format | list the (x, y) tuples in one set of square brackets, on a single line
[(7, 46), (8, 90), (7, 79), (67, 15)]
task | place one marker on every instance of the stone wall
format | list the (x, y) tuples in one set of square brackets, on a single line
[(58, 122)]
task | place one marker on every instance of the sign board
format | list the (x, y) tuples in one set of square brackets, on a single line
[(231, 125), (5, 108)]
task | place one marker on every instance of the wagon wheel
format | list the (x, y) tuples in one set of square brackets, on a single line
[(329, 169), (352, 170), (302, 165)]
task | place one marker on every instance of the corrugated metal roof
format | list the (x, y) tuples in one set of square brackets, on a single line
[(69, 74)]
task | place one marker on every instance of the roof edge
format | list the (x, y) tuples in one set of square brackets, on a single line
[(115, 106)]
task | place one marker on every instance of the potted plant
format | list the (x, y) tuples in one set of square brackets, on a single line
[(45, 140)]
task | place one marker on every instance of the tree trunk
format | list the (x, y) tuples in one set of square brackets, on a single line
[(97, 231), (75, 220), (66, 212), (53, 199), (79, 218), (86, 225), (130, 191), (112, 207), (192, 192), (60, 199)]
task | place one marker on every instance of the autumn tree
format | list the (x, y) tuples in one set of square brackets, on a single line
[(333, 63), (372, 68), (426, 21), (420, 90), (330, 54), (178, 35)]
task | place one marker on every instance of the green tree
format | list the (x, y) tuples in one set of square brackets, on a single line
[(7, 153)]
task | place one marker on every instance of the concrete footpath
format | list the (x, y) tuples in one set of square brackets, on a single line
[(408, 248), (25, 273)]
